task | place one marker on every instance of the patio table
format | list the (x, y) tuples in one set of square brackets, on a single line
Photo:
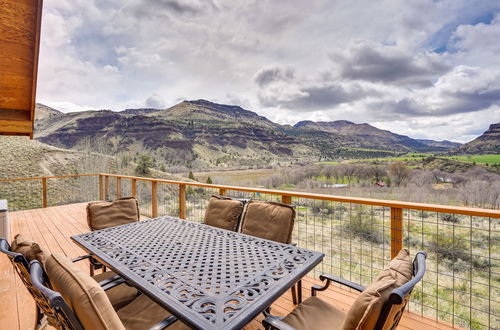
[(207, 277)]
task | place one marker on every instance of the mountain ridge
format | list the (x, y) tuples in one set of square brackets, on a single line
[(201, 131)]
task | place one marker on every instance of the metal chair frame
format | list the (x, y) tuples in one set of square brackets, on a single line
[(94, 263), (65, 315), (43, 302), (397, 297), (296, 289)]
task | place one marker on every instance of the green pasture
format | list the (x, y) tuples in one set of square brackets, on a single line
[(480, 159)]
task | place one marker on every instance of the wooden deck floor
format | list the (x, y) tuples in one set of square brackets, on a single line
[(53, 226)]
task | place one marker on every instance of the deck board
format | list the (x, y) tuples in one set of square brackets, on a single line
[(53, 226)]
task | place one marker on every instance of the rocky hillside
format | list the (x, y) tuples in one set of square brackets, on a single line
[(197, 132), (487, 143), (21, 157), (364, 135), (202, 133), (445, 144)]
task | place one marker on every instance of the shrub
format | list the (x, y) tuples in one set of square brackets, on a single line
[(450, 218), (457, 255), (363, 227)]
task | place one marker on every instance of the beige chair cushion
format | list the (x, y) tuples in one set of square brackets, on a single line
[(120, 295), (29, 249), (367, 307), (316, 314), (223, 213), (82, 294), (269, 220), (102, 215), (143, 313)]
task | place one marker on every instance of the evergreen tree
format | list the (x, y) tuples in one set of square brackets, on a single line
[(209, 180), (191, 175), (143, 165)]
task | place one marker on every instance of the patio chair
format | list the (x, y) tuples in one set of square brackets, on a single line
[(272, 221), (379, 306), (224, 212), (106, 214), (78, 302), (22, 251)]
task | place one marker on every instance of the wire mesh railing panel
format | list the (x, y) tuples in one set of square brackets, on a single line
[(144, 198), (354, 238), (22, 194), (112, 188), (256, 196), (462, 282), (61, 191), (126, 187), (196, 202), (168, 199)]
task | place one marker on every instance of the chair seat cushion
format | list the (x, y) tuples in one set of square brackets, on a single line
[(120, 295), (143, 313), (102, 215), (223, 213), (367, 307), (82, 293), (29, 249), (317, 314)]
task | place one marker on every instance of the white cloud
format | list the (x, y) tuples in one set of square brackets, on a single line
[(155, 101), (322, 60)]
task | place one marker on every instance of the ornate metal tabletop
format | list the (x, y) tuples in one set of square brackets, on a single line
[(208, 277)]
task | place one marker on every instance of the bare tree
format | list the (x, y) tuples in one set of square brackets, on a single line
[(421, 178), (378, 172), (399, 173), (349, 172)]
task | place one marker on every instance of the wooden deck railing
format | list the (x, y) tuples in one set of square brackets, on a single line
[(464, 252)]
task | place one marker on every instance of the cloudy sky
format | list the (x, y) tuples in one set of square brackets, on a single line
[(428, 69)]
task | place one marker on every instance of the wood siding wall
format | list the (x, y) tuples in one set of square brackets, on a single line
[(20, 22)]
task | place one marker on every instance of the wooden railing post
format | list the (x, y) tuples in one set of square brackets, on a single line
[(286, 199), (134, 187), (106, 187), (101, 187), (182, 201), (222, 192), (118, 187), (154, 200), (44, 192), (396, 231)]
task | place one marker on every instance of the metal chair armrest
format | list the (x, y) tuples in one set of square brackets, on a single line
[(80, 258), (111, 282), (329, 279), (275, 322), (164, 323), (96, 264)]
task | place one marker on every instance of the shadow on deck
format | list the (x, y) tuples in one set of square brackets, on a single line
[(53, 226)]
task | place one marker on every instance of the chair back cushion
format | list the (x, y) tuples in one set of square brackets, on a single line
[(269, 220), (82, 294), (223, 212), (367, 308), (29, 249), (103, 214)]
